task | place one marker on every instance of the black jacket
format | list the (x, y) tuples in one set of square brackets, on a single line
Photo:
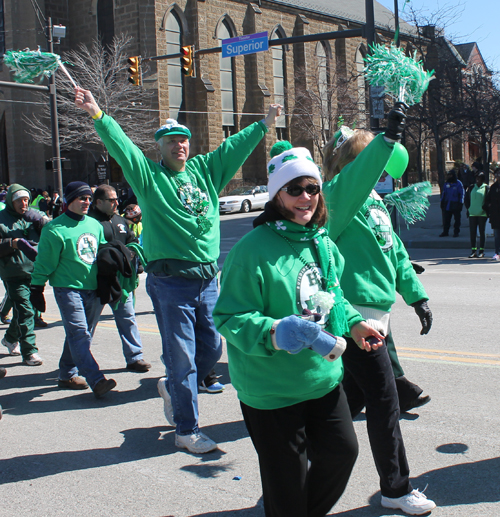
[(116, 228), (112, 258), (492, 205)]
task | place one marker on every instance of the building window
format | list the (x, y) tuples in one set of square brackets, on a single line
[(227, 84), (175, 79), (2, 31), (105, 22), (324, 90), (279, 74)]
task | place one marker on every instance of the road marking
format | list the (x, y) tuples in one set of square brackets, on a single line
[(450, 356)]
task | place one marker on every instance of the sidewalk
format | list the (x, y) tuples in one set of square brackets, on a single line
[(425, 234)]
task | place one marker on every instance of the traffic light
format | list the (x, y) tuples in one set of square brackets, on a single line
[(187, 60), (134, 70)]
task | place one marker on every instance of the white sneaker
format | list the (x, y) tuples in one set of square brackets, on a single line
[(14, 348), (197, 443), (496, 257), (33, 360), (414, 503), (168, 409)]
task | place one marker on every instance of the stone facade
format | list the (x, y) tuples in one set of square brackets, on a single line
[(145, 21)]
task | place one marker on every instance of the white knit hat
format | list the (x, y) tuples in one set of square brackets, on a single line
[(290, 164)]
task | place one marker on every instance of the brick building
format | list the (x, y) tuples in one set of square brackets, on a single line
[(226, 94)]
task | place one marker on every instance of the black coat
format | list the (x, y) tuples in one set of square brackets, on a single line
[(492, 205)]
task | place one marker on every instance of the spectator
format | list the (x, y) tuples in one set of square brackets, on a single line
[(290, 393), (133, 216), (56, 204), (116, 229), (179, 198), (474, 201), (465, 175), (19, 234), (452, 199), (67, 255), (492, 208)]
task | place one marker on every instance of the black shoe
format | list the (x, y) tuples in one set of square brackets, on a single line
[(421, 400), (443, 234), (473, 254), (3, 372), (480, 254), (139, 366), (456, 234), (103, 386)]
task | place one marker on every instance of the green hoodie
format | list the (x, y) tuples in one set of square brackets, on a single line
[(14, 264), (170, 229), (377, 264), (263, 280)]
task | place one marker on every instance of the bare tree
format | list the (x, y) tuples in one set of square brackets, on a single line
[(324, 99), (102, 70)]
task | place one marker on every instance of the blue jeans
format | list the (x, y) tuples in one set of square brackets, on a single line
[(80, 311), (191, 345), (127, 328)]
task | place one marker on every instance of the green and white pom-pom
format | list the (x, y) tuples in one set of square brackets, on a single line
[(31, 66), (411, 202), (403, 77)]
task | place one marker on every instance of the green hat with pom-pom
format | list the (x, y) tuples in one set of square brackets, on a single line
[(279, 147)]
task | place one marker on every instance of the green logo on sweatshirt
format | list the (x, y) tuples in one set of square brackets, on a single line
[(86, 248)]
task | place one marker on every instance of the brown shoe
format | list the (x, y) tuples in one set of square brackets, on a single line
[(75, 383), (139, 366), (103, 386)]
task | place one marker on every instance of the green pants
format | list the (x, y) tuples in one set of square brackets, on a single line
[(22, 326)]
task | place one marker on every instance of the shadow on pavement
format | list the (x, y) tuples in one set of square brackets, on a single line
[(138, 444)]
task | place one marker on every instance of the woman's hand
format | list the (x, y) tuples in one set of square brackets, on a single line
[(366, 337)]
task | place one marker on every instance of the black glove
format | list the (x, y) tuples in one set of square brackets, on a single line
[(24, 246), (425, 315), (36, 297), (396, 121), (417, 268), (36, 217)]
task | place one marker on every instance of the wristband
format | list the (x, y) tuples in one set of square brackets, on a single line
[(98, 115)]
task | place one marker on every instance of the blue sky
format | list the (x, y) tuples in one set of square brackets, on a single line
[(474, 20)]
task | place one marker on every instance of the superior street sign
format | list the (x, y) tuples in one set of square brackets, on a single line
[(247, 44)]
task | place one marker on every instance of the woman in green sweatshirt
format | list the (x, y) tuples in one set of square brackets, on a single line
[(282, 312)]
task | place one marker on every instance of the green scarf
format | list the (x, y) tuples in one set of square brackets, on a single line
[(292, 232)]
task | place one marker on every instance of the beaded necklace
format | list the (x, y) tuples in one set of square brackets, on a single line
[(194, 201)]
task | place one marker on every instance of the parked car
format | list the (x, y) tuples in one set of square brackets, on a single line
[(244, 199)]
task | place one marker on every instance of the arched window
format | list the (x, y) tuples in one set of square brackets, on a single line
[(279, 83), (324, 87), (226, 83), (105, 21), (173, 37)]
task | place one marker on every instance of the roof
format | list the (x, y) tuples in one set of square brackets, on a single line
[(350, 10), (465, 50)]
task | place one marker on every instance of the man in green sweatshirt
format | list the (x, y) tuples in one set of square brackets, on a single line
[(181, 237), (67, 259)]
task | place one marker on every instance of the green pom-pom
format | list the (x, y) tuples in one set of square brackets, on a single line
[(402, 76), (30, 66), (279, 147), (411, 202)]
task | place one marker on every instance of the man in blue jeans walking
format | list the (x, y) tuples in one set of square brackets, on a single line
[(116, 228), (179, 199), (67, 259)]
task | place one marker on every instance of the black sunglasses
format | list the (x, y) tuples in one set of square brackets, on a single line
[(85, 198), (296, 190)]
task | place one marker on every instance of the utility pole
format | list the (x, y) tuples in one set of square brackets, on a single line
[(56, 152)]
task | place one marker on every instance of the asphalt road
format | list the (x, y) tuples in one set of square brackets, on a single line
[(66, 453)]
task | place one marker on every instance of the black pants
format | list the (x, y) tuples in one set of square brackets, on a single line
[(369, 378), (318, 431), (476, 222), (447, 214)]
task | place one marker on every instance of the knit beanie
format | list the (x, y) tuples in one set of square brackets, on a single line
[(290, 164), (76, 189)]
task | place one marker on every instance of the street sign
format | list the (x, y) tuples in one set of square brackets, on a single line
[(247, 44)]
